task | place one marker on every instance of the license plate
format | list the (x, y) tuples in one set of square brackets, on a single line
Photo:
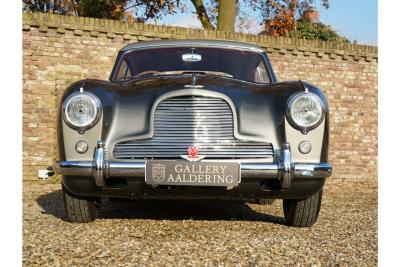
[(180, 172)]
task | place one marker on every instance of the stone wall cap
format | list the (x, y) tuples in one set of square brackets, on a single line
[(203, 37)]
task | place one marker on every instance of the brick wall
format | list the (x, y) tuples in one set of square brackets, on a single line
[(58, 50)]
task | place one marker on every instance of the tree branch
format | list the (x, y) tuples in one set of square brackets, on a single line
[(202, 14)]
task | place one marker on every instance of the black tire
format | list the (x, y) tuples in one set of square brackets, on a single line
[(265, 201), (302, 212), (80, 209)]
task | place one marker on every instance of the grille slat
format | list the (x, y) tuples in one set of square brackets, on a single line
[(172, 145), (181, 122)]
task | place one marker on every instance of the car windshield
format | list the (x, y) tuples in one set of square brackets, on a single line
[(239, 64)]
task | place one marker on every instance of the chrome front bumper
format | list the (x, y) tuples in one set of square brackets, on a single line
[(285, 170)]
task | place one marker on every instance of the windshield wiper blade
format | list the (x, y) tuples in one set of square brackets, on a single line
[(205, 72), (134, 77), (178, 72)]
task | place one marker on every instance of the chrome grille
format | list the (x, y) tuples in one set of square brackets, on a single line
[(181, 122)]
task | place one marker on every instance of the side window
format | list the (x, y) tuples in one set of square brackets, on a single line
[(123, 71), (261, 74)]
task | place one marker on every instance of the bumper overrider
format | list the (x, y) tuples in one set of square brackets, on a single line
[(285, 170)]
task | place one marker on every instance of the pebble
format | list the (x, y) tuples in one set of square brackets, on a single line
[(202, 233)]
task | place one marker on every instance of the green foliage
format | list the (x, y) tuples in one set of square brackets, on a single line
[(316, 31)]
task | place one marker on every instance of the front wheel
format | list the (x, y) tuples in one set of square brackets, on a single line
[(80, 209), (302, 212)]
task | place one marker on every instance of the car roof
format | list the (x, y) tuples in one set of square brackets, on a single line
[(192, 43)]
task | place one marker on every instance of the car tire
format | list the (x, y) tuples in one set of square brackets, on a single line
[(265, 201), (302, 212), (80, 209)]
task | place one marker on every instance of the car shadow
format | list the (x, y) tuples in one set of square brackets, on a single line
[(211, 210)]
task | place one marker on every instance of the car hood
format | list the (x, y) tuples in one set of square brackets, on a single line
[(127, 106)]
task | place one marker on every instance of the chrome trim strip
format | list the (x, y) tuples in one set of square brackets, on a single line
[(192, 43)]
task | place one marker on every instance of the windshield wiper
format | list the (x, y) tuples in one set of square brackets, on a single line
[(137, 76), (205, 72), (176, 72)]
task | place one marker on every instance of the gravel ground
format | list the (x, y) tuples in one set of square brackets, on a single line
[(202, 233)]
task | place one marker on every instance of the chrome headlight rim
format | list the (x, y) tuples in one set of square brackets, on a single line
[(291, 101), (95, 101)]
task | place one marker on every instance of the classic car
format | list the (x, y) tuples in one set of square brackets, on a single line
[(193, 119)]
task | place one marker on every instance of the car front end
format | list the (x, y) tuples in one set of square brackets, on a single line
[(193, 134)]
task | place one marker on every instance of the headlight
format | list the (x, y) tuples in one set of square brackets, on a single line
[(81, 110), (305, 111)]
